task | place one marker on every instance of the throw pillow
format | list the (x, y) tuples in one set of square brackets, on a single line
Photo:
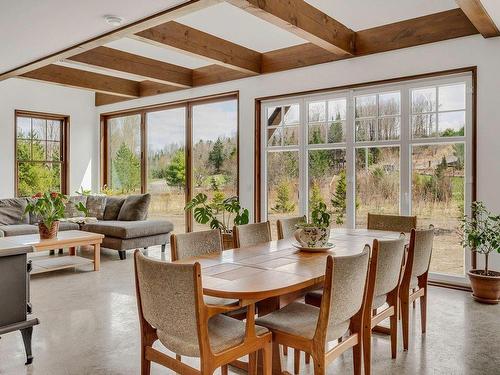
[(113, 206), (12, 211), (135, 208), (70, 207), (96, 204)]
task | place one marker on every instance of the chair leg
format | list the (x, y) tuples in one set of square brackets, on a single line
[(296, 361), (223, 370), (423, 311), (267, 361), (163, 247), (367, 347), (145, 364), (319, 364), (356, 356), (307, 358), (122, 254), (414, 301), (276, 358), (405, 317), (285, 350), (394, 334), (252, 363)]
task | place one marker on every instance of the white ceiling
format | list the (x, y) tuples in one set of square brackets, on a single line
[(33, 28)]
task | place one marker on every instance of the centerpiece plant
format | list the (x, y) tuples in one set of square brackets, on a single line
[(317, 232), (481, 234), (49, 209), (219, 213)]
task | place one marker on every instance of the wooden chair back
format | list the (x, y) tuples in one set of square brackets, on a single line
[(394, 223), (251, 234), (194, 244), (286, 227)]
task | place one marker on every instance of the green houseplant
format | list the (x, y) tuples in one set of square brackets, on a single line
[(481, 234), (317, 232), (220, 213), (49, 209)]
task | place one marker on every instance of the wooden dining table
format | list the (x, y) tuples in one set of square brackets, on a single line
[(268, 273)]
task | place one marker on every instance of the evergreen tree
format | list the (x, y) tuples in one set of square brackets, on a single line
[(127, 167), (336, 133), (315, 197), (216, 156), (175, 174), (283, 201), (339, 199)]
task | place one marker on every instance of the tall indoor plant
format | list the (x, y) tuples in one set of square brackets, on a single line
[(220, 213), (481, 234), (49, 209)]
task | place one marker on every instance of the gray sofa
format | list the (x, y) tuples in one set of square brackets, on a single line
[(122, 221)]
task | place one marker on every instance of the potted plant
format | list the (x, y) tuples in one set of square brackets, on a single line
[(49, 208), (481, 234), (220, 213), (316, 233)]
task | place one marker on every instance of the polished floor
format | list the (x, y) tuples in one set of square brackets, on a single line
[(89, 326)]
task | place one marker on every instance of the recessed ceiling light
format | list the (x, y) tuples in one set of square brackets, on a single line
[(113, 20)]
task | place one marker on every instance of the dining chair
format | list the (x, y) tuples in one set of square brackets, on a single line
[(251, 234), (394, 223), (382, 298), (287, 227), (309, 328), (414, 283), (172, 311)]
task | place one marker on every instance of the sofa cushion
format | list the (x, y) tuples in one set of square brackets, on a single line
[(130, 229), (135, 208), (68, 225), (96, 205), (113, 206), (70, 207), (12, 211), (18, 229)]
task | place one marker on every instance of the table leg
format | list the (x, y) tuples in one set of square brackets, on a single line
[(27, 333), (97, 256), (72, 250)]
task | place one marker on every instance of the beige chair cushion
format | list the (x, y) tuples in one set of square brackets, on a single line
[(378, 301), (288, 226), (209, 300), (223, 332), (195, 244), (300, 320), (253, 234)]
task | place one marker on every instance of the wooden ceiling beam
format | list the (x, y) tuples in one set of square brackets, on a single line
[(82, 79), (121, 32), (479, 17), (118, 61), (199, 44), (303, 20)]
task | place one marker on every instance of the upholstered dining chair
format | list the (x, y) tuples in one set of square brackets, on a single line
[(414, 283), (172, 311), (286, 227), (251, 234), (394, 223), (383, 291), (309, 328)]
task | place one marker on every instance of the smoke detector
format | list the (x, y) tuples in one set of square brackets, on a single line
[(114, 21)]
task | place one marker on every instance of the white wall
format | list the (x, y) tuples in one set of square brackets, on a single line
[(38, 97), (457, 53)]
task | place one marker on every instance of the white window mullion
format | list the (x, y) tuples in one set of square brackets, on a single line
[(350, 174), (303, 156), (405, 154)]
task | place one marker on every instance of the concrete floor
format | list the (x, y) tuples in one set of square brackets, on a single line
[(89, 326)]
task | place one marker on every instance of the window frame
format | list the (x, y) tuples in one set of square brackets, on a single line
[(143, 111), (405, 143), (64, 140)]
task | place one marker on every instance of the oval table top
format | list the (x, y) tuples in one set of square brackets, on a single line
[(276, 268)]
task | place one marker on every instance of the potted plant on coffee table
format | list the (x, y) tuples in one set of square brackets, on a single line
[(481, 234), (220, 213), (315, 234), (49, 209)]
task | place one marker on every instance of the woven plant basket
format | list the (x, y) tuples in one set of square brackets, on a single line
[(48, 233)]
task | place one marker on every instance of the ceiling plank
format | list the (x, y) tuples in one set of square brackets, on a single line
[(71, 77), (436, 27), (479, 17), (104, 99), (118, 61), (121, 32), (211, 74), (197, 43), (149, 88), (303, 20)]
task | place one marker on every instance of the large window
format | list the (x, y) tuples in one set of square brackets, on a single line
[(174, 152), (41, 157), (403, 148)]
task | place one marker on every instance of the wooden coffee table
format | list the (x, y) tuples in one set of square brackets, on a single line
[(70, 239)]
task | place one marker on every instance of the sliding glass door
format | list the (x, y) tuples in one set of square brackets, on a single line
[(403, 148), (173, 152)]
